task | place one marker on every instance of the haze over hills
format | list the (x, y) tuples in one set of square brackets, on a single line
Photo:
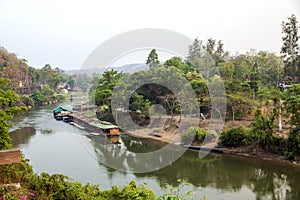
[(129, 68)]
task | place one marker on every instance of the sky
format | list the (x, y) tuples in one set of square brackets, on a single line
[(64, 33)]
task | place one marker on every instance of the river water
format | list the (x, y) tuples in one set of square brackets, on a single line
[(57, 147)]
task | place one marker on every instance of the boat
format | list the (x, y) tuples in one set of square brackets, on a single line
[(67, 119), (202, 148), (155, 134), (60, 112), (77, 125), (94, 125)]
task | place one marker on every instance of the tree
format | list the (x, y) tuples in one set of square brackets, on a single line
[(269, 68), (105, 87), (195, 50), (152, 60), (9, 108), (293, 106), (227, 70), (171, 101), (178, 64), (263, 128), (138, 102), (216, 50), (290, 46), (210, 46), (238, 102)]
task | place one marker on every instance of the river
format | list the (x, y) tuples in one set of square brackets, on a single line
[(57, 147)]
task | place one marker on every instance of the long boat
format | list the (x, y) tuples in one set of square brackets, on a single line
[(202, 148), (94, 125)]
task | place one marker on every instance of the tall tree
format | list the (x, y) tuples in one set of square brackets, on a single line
[(290, 46), (195, 50), (152, 60), (105, 87), (220, 53), (210, 46)]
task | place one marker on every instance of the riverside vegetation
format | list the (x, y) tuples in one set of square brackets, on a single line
[(253, 94), (261, 88)]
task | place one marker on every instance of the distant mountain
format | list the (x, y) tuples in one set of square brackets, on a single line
[(130, 68)]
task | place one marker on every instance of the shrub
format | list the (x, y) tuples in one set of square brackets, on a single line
[(262, 129), (189, 135), (292, 150), (58, 186), (27, 101), (196, 135), (131, 191), (234, 137)]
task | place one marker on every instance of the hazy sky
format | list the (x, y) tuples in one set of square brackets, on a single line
[(64, 33)]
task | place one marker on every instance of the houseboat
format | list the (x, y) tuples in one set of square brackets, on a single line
[(60, 112), (94, 125)]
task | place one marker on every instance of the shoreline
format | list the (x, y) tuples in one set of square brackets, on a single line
[(239, 151), (270, 157)]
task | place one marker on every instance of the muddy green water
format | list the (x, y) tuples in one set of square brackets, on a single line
[(57, 147)]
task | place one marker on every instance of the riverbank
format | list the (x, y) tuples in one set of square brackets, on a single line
[(259, 154), (173, 137)]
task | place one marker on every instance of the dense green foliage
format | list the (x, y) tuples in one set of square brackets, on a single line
[(9, 109), (43, 83), (234, 137), (292, 102), (58, 186), (261, 135)]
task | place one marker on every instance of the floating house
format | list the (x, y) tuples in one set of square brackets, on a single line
[(90, 124), (60, 112), (95, 125)]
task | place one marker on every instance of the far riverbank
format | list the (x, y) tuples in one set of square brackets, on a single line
[(246, 151)]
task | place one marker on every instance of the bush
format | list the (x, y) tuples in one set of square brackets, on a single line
[(262, 129), (58, 186), (292, 150), (196, 135), (131, 191), (27, 101), (189, 135), (234, 137)]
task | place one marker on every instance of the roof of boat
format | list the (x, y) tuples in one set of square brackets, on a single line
[(61, 108)]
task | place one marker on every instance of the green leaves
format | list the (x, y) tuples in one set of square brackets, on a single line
[(9, 108), (290, 46), (234, 137), (152, 60)]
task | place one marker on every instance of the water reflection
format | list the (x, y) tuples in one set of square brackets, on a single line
[(267, 180), (126, 155), (46, 131), (22, 135)]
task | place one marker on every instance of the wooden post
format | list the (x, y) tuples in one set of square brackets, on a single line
[(10, 156)]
